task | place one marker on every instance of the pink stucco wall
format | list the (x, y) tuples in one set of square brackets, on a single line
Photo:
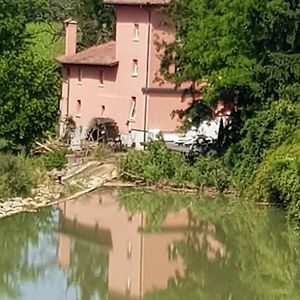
[(161, 31), (127, 50), (161, 110), (94, 96), (119, 83)]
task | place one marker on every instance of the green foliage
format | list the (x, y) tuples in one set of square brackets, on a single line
[(247, 45), (159, 164), (30, 80), (95, 19), (55, 160), (17, 176), (44, 41), (278, 179), (14, 14), (28, 98), (248, 52), (267, 129), (101, 152), (154, 164)]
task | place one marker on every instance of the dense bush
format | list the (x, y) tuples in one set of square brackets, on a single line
[(159, 164), (267, 129), (277, 179), (17, 176), (55, 160)]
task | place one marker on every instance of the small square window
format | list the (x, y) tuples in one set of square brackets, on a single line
[(136, 32), (132, 114), (101, 78), (135, 68), (78, 108)]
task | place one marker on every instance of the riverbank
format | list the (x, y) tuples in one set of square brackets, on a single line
[(83, 178), (77, 182)]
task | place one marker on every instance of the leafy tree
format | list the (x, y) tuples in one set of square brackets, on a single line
[(14, 14), (28, 98), (29, 89), (247, 52), (95, 18), (247, 46)]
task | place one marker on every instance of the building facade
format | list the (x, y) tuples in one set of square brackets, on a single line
[(121, 79)]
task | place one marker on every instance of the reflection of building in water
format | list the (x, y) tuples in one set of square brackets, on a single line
[(137, 262)]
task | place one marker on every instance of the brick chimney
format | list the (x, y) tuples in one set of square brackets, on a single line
[(71, 36)]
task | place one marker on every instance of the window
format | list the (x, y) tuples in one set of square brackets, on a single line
[(102, 110), (172, 252), (129, 250), (135, 67), (101, 78), (78, 108), (79, 75), (66, 74), (132, 114), (136, 32)]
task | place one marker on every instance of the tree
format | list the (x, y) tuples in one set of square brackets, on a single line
[(247, 52), (94, 17), (251, 46), (29, 90), (29, 96), (14, 15)]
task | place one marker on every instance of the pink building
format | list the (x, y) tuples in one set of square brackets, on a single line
[(121, 79)]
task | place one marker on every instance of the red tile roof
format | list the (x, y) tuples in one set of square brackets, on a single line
[(101, 55), (137, 2)]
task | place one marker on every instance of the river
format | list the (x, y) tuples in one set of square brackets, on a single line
[(129, 244)]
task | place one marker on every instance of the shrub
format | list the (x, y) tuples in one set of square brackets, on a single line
[(266, 130), (277, 179), (55, 160), (209, 171), (101, 152), (154, 164), (17, 176), (159, 164)]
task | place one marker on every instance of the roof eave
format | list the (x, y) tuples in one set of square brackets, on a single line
[(74, 63)]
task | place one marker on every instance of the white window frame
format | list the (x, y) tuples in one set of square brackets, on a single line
[(135, 68), (132, 114), (78, 108), (136, 32)]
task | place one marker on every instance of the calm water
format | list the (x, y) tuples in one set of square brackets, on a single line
[(129, 244)]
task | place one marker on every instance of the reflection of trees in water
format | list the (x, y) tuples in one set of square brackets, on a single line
[(236, 251), (88, 270), (15, 264)]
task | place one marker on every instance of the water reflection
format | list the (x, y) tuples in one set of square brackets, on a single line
[(137, 261), (130, 244)]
